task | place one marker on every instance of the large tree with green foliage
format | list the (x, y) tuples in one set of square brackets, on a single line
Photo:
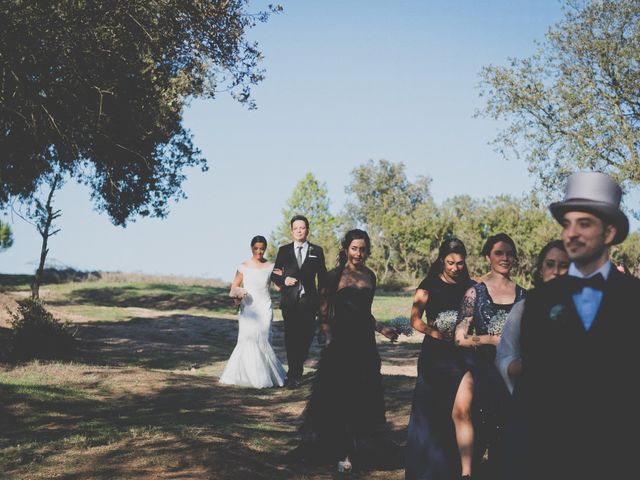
[(6, 236), (397, 214), (524, 219), (575, 103), (96, 92), (311, 199)]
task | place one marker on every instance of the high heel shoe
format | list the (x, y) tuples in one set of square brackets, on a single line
[(344, 466)]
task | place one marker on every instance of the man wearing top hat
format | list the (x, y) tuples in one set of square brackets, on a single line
[(580, 349)]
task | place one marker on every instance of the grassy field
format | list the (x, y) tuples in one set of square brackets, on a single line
[(141, 400)]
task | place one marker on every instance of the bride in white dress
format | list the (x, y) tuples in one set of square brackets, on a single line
[(253, 363)]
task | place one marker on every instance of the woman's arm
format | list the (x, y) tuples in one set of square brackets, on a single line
[(420, 299), (463, 338), (386, 331), (324, 291), (236, 292), (508, 360), (278, 272)]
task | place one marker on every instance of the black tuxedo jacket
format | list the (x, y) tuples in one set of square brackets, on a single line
[(312, 275), (577, 388)]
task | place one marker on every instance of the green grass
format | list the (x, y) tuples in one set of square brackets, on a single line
[(387, 307)]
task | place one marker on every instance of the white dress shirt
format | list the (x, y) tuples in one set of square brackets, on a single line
[(588, 300), (508, 349)]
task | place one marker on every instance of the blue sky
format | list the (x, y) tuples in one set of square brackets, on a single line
[(346, 81)]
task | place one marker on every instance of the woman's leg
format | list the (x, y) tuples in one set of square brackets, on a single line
[(461, 415)]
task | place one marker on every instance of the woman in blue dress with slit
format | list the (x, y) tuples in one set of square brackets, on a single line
[(483, 313), (439, 433)]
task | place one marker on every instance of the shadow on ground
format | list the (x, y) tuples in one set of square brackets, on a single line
[(168, 342), (153, 296), (182, 426)]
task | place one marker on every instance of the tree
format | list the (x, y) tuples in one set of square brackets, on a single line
[(6, 236), (96, 91), (311, 199), (574, 104), (41, 216), (44, 214), (524, 219), (397, 215)]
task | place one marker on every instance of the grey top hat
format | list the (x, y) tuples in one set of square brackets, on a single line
[(596, 193)]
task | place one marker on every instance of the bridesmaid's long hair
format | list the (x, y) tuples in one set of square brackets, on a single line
[(450, 245), (537, 273), (350, 236)]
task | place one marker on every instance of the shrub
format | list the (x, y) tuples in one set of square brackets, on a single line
[(36, 333)]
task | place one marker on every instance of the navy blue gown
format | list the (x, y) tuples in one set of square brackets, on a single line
[(432, 450), (491, 399)]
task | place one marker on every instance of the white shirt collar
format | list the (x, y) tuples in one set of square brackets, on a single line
[(604, 270), (303, 244)]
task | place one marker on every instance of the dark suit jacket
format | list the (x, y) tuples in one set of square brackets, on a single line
[(312, 275), (577, 388)]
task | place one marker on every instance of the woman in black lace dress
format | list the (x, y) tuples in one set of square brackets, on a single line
[(482, 315), (345, 416), (440, 435)]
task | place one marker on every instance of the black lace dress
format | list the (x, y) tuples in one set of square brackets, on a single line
[(345, 414), (432, 450), (490, 397)]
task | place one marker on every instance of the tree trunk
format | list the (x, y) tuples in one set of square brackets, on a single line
[(46, 216), (37, 279)]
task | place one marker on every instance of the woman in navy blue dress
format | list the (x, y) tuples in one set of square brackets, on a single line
[(438, 441), (483, 313)]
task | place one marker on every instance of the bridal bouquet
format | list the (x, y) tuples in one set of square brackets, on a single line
[(496, 324), (402, 325), (446, 321)]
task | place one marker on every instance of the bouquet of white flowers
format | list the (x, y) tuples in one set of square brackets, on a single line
[(446, 321), (496, 324), (402, 325)]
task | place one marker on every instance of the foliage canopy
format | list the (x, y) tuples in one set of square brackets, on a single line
[(96, 91), (6, 236), (575, 103)]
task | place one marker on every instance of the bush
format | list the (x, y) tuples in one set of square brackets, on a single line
[(36, 333)]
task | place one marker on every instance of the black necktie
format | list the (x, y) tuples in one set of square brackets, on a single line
[(597, 282)]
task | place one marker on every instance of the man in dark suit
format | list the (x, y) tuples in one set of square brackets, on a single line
[(579, 346), (301, 274)]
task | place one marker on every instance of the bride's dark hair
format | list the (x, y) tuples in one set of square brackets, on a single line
[(258, 239), (350, 236)]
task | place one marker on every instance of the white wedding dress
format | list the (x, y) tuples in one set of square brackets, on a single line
[(253, 363)]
